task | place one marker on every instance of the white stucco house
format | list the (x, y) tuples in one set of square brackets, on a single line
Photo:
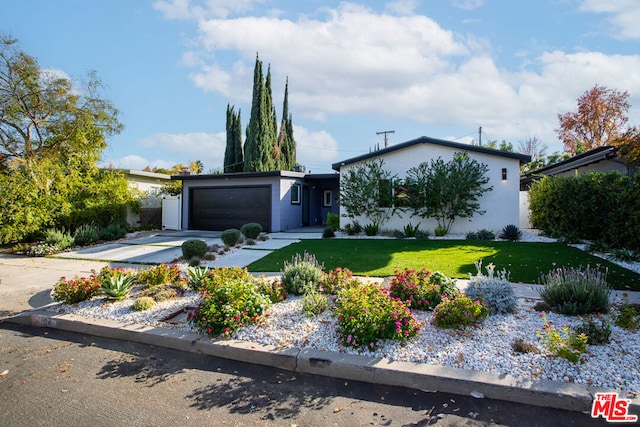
[(501, 206), (149, 186)]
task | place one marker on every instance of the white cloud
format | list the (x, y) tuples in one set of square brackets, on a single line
[(353, 60), (206, 147), (315, 149), (136, 162), (467, 4), (624, 16), (402, 7)]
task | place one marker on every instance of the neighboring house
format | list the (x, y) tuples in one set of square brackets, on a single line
[(149, 185), (278, 200), (600, 159), (501, 205)]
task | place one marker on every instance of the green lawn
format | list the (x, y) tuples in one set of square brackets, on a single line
[(455, 258)]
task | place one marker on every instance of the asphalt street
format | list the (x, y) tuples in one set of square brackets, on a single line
[(50, 377)]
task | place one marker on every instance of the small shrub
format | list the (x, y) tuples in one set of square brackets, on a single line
[(371, 229), (314, 303), (113, 231), (541, 306), (570, 238), (194, 261), (574, 291), (353, 228), (217, 277), (263, 237), (440, 231), (301, 274), (230, 237), (159, 275), (328, 233), (597, 333), (60, 238), (396, 234), (162, 292), (274, 290), (627, 315), (421, 290), (411, 230), (511, 232), (117, 287), (251, 230), (42, 249), (86, 234), (599, 246), (333, 221), (422, 235), (563, 343), (626, 255), (481, 235), (194, 248), (75, 290), (494, 290), (459, 311), (366, 314), (225, 309), (195, 276), (143, 304), (521, 346), (333, 281), (250, 242)]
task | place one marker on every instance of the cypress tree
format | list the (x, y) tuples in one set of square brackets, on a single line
[(238, 161), (228, 151), (286, 143), (252, 158)]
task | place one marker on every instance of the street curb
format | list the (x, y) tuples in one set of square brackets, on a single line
[(430, 378)]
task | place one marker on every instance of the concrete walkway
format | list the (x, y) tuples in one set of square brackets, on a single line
[(25, 284)]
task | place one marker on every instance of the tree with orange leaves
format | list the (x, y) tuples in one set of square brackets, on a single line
[(599, 120)]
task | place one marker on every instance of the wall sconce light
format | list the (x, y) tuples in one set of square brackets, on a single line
[(504, 174)]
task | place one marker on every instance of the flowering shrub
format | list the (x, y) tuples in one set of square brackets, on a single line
[(302, 273), (227, 308), (217, 277), (74, 290), (573, 291), (42, 249), (421, 290), (366, 313), (459, 311), (628, 315), (274, 290), (159, 275), (335, 280), (566, 344)]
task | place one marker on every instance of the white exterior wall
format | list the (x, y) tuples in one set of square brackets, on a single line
[(501, 204)]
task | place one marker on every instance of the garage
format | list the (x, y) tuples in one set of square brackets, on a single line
[(220, 208)]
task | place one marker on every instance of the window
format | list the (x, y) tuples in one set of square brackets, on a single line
[(295, 194), (327, 198)]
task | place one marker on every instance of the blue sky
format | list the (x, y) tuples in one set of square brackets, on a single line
[(438, 68)]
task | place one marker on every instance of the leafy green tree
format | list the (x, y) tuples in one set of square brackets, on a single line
[(628, 145), (366, 190), (447, 190), (52, 132)]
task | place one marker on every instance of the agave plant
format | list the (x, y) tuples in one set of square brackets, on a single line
[(117, 287), (196, 275)]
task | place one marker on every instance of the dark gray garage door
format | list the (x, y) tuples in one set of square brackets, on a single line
[(220, 208)]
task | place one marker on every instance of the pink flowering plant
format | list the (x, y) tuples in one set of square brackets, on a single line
[(160, 274), (366, 314), (421, 289), (564, 342), (459, 311), (228, 307), (273, 289), (73, 291), (335, 280)]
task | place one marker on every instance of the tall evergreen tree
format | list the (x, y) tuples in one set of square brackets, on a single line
[(261, 135), (233, 161), (286, 143)]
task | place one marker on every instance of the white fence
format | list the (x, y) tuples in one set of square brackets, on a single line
[(171, 213)]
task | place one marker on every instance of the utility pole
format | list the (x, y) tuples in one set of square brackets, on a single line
[(385, 132), (480, 136)]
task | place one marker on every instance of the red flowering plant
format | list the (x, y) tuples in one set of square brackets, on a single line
[(421, 290), (335, 280), (73, 291), (161, 274), (227, 308), (366, 314)]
